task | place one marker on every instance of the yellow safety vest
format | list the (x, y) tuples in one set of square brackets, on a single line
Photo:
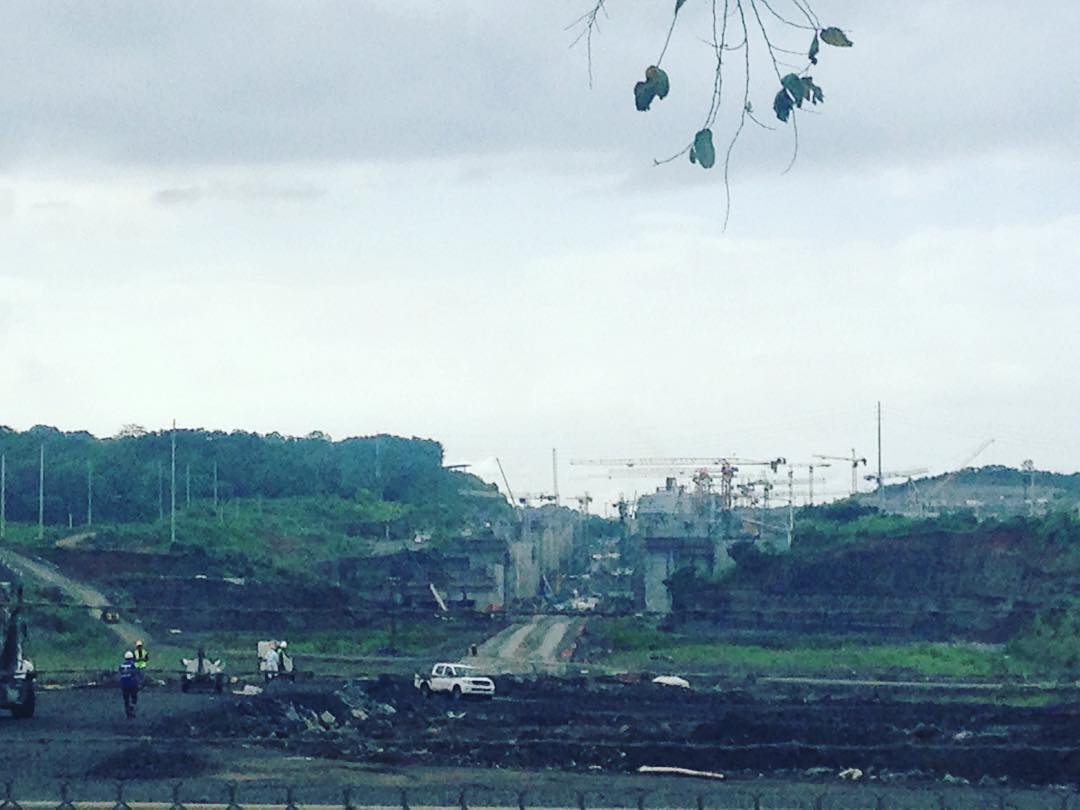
[(142, 658)]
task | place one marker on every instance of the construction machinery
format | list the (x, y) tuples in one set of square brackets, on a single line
[(933, 500), (854, 460), (281, 665), (202, 673), (16, 672), (706, 469), (909, 475)]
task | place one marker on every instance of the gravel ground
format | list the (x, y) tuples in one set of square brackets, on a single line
[(552, 739)]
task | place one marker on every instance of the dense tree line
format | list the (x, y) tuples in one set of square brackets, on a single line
[(130, 472)]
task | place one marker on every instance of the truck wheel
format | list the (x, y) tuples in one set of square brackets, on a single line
[(456, 694), (425, 690), (25, 709)]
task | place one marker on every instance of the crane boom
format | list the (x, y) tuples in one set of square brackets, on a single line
[(854, 460), (677, 461)]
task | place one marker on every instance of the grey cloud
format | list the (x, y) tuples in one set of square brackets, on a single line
[(161, 83), (242, 192), (178, 196)]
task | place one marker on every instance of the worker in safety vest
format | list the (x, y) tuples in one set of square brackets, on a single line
[(142, 659), (129, 684)]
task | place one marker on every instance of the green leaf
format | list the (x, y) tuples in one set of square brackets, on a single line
[(795, 88), (678, 5), (644, 93), (703, 149), (782, 105), (656, 85), (813, 92), (814, 47), (693, 157), (835, 37), (659, 80)]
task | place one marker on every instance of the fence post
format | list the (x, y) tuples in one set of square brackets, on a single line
[(464, 805), (641, 800), (880, 805), (290, 798), (346, 799), (120, 803), (819, 801), (176, 804), (581, 801), (757, 801), (404, 799), (521, 799), (231, 790), (9, 803), (65, 801)]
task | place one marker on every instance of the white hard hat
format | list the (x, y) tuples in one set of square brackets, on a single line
[(284, 644), (129, 654)]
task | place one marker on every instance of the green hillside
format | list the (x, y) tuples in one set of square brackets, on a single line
[(229, 485)]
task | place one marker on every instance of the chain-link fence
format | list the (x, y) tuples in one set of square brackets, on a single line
[(775, 796)]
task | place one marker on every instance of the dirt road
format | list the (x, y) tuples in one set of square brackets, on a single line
[(76, 591), (529, 647)]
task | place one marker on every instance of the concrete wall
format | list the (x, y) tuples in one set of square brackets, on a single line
[(659, 566), (523, 578), (665, 556)]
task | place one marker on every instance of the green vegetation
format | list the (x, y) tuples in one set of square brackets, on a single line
[(942, 567), (633, 642), (399, 484), (415, 638), (1053, 640)]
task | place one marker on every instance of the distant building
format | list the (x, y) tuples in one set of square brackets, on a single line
[(679, 528)]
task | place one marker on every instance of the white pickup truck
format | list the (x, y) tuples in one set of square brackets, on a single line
[(456, 681)]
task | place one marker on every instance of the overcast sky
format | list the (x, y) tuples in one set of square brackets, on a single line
[(419, 218)]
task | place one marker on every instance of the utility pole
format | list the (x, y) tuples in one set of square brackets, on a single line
[(215, 485), (378, 464), (395, 600), (160, 492), (3, 496), (1029, 468), (790, 505), (172, 508), (880, 477), (187, 486), (89, 493), (555, 475), (41, 494)]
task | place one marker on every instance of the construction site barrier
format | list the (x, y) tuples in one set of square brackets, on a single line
[(726, 797)]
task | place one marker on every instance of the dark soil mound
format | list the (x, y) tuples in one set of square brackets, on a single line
[(146, 761)]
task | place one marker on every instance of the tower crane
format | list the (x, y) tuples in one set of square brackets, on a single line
[(704, 467), (936, 491), (809, 467), (583, 502), (854, 460)]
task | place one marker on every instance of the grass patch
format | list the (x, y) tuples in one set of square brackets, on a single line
[(632, 642)]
